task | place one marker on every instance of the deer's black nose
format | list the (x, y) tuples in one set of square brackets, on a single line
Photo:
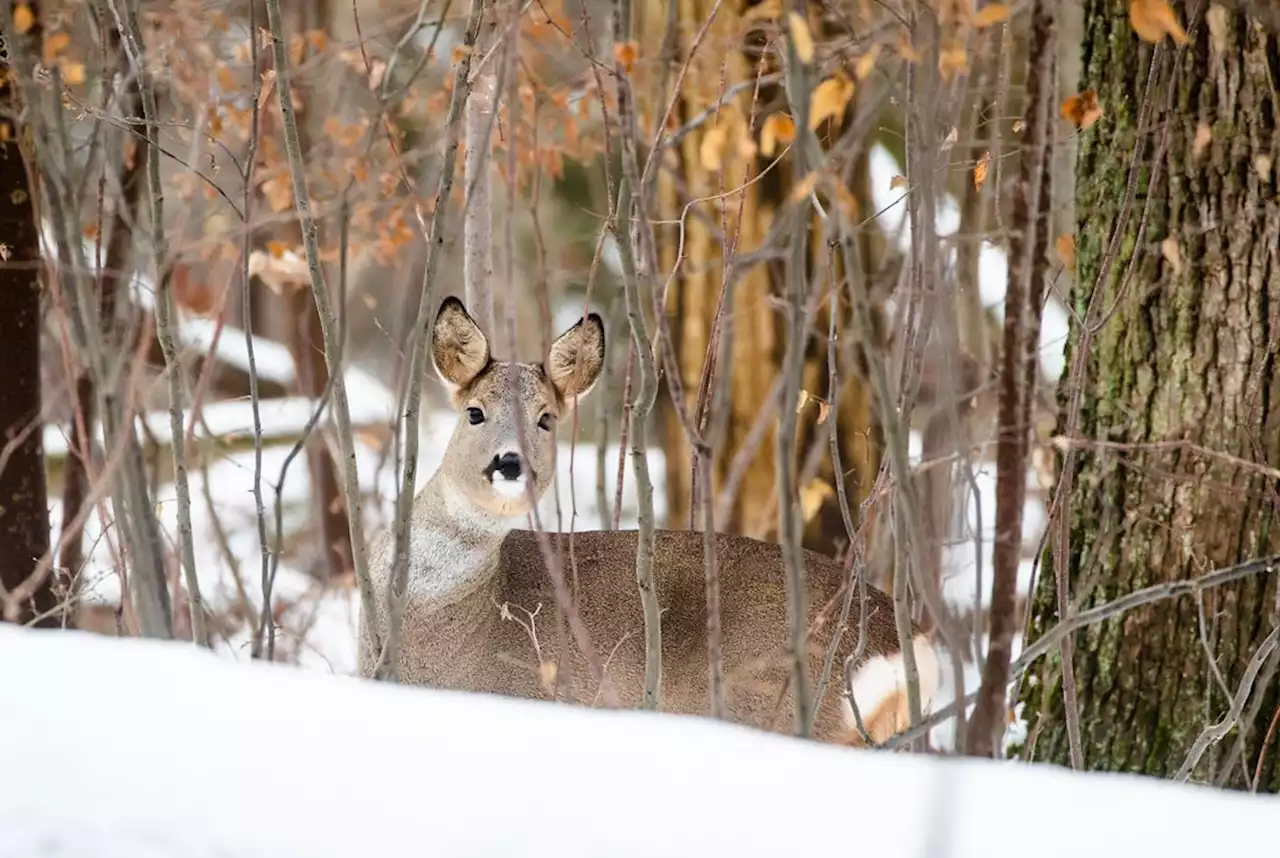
[(508, 464)]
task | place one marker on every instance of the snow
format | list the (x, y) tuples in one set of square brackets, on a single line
[(190, 755), (890, 205)]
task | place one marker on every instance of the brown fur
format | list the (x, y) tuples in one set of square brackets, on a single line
[(480, 614)]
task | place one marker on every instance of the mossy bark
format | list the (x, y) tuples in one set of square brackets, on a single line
[(1182, 385)]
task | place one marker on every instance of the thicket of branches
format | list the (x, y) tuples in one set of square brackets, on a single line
[(318, 175)]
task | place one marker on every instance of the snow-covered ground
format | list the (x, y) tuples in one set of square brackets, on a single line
[(189, 755)]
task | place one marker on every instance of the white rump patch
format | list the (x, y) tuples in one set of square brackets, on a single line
[(880, 678)]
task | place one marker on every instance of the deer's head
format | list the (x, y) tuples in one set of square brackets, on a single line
[(506, 432)]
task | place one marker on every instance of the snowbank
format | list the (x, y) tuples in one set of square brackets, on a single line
[(187, 754)]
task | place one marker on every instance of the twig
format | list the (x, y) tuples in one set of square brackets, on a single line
[(1215, 732), (1097, 614), (989, 716), (1262, 752), (792, 367), (386, 664), (320, 293), (477, 219), (246, 310), (647, 390)]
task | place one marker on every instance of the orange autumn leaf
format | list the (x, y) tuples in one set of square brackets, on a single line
[(980, 170), (862, 68), (23, 18), (800, 37), (897, 182), (778, 128), (952, 58), (906, 50), (626, 54), (991, 14), (829, 100), (1082, 109), (54, 45), (1065, 246), (803, 188), (72, 72), (1152, 20)]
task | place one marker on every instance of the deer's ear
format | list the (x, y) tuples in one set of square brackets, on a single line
[(459, 349), (577, 357)]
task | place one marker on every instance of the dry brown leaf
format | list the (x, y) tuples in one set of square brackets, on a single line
[(72, 72), (897, 182), (711, 151), (54, 45), (284, 275), (824, 410), (950, 140), (980, 170), (906, 50), (23, 18), (829, 100), (1152, 20), (803, 188), (1065, 246), (865, 63), (813, 496), (1017, 126), (626, 54), (768, 10), (991, 14), (1082, 109), (778, 128), (802, 400), (800, 36), (1172, 254), (952, 58), (1204, 136), (279, 192), (195, 295)]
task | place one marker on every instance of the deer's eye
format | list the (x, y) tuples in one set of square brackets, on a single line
[(475, 416), (544, 422)]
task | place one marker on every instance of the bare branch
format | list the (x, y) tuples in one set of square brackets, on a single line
[(320, 293), (386, 664), (164, 317), (1215, 732)]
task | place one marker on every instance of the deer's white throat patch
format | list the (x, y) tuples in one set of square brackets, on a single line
[(509, 489)]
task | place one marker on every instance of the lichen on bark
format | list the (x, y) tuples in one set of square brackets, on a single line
[(1182, 384)]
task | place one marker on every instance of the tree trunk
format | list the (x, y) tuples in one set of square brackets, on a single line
[(1182, 386), (24, 511), (751, 331)]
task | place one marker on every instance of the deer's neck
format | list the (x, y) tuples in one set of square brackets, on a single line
[(455, 545)]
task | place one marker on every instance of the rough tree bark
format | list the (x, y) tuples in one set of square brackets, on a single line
[(1183, 386), (24, 511)]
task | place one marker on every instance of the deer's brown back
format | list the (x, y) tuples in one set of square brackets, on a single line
[(599, 568)]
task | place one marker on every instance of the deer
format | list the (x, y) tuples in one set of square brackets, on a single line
[(477, 580)]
